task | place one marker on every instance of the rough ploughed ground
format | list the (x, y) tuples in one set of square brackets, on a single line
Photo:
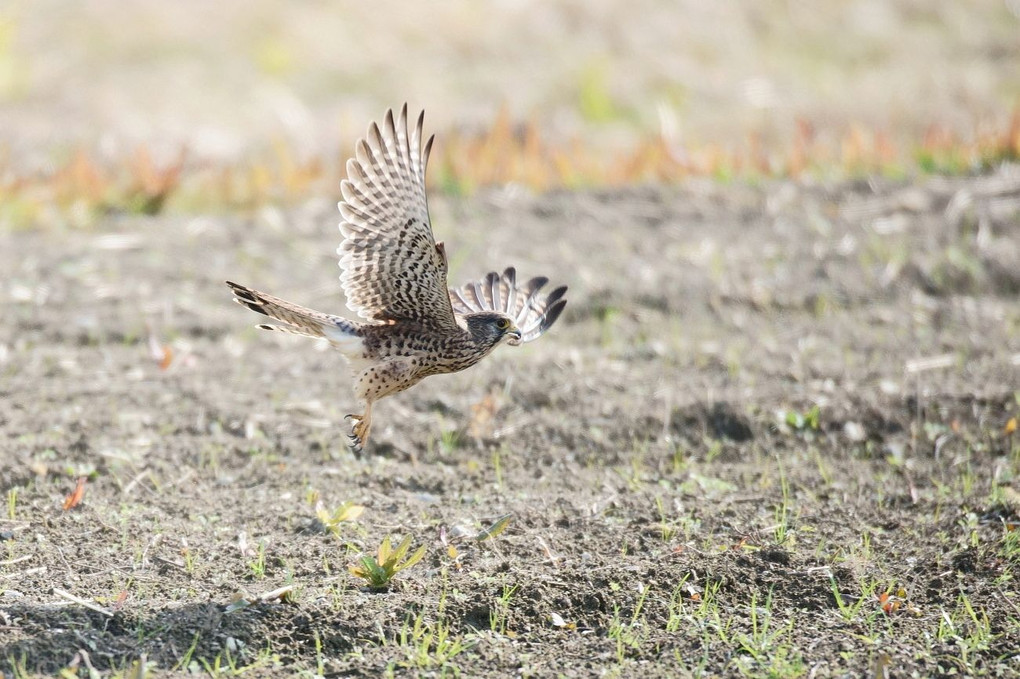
[(677, 505)]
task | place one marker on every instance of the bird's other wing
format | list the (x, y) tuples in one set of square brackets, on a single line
[(392, 268), (532, 311)]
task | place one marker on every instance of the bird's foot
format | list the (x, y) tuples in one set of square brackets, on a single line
[(359, 432)]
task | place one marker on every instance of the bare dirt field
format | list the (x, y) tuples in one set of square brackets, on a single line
[(774, 433), (770, 436)]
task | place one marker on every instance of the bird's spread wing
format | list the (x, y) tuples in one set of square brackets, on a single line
[(392, 268), (531, 311)]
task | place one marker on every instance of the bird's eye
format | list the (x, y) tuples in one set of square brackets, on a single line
[(503, 323)]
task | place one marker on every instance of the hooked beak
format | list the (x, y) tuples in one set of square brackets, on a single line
[(514, 335)]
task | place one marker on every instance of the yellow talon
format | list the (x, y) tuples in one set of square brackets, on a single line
[(359, 430)]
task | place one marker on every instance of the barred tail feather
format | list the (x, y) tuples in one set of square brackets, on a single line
[(293, 318)]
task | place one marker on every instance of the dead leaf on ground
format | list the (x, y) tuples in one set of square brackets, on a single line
[(76, 496)]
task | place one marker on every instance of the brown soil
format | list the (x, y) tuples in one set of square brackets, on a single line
[(676, 507)]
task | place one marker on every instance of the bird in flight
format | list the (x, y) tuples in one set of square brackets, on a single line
[(393, 273)]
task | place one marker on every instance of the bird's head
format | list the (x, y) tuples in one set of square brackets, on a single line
[(489, 328)]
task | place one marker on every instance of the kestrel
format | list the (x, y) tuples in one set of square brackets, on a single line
[(394, 277)]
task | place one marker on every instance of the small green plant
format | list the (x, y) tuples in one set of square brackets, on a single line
[(850, 609), (768, 645), (500, 613), (757, 643), (666, 529), (450, 440), (346, 511), (258, 564), (679, 459), (185, 661), (824, 469), (714, 450), (379, 570), (1010, 545), (432, 645), (606, 316), (12, 502), (971, 631), (676, 606), (320, 665), (497, 527), (20, 668), (497, 465), (629, 636), (189, 557), (808, 420), (638, 473)]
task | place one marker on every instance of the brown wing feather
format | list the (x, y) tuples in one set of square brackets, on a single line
[(531, 311), (393, 269)]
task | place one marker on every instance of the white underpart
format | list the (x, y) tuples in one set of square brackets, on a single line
[(351, 346)]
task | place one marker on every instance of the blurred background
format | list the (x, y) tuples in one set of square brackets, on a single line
[(228, 80)]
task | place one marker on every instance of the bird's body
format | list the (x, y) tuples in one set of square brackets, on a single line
[(394, 275)]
